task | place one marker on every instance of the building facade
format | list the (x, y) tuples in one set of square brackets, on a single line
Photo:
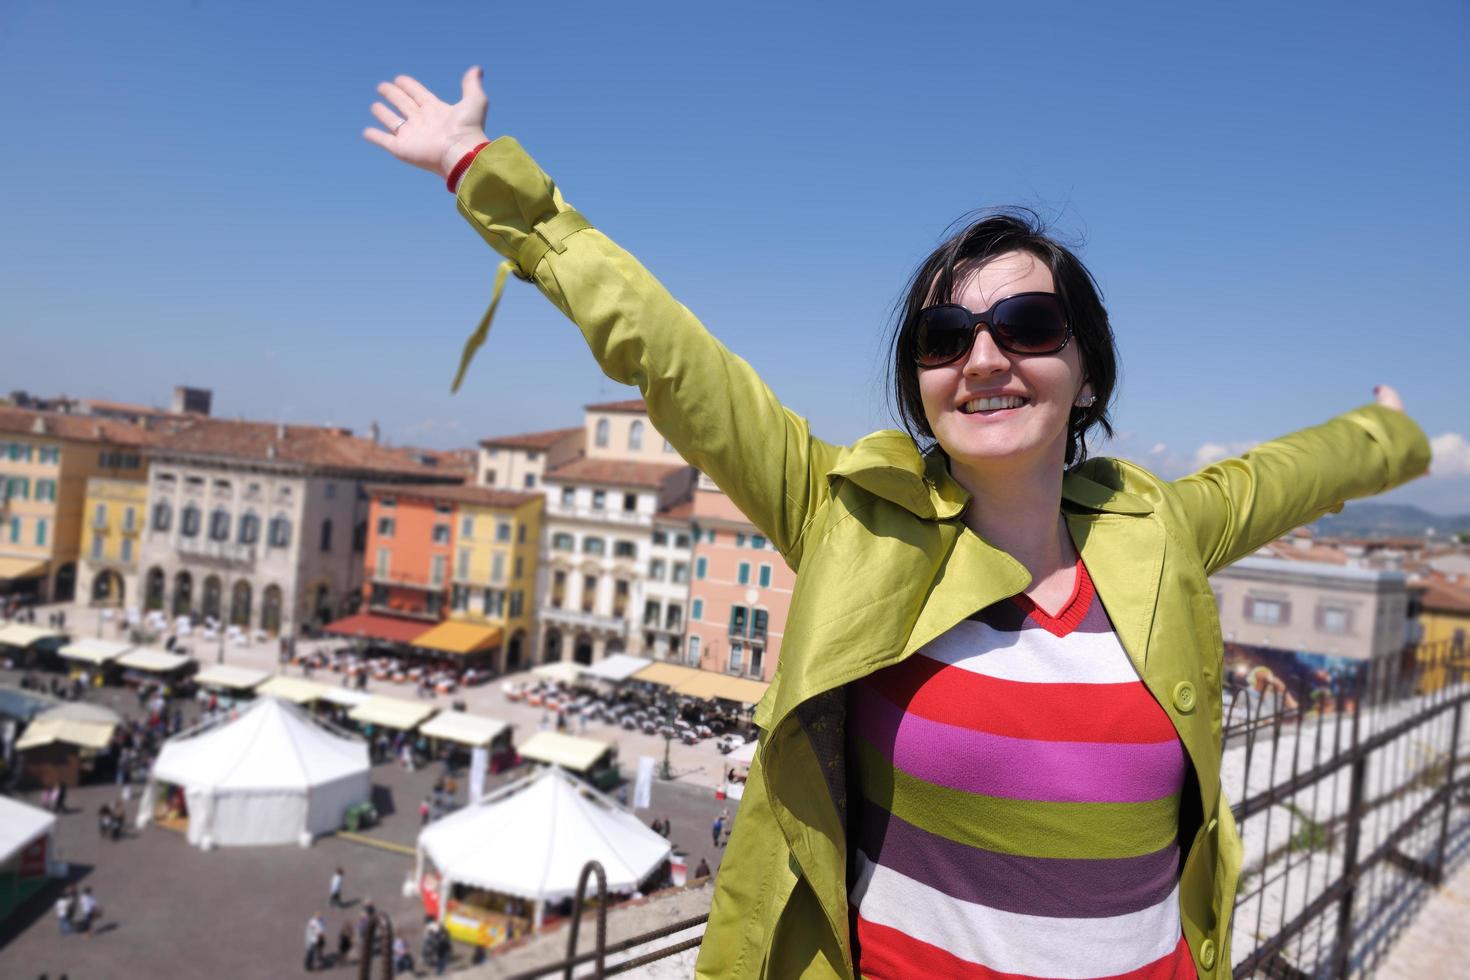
[(519, 462), (116, 511)]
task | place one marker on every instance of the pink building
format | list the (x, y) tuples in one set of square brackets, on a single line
[(739, 593)]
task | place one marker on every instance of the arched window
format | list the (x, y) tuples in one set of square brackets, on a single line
[(635, 435), (280, 532), (189, 521), (219, 525), (592, 546), (562, 542), (163, 516), (602, 433), (249, 528)]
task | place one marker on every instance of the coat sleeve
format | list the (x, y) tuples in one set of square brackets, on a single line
[(711, 405), (1236, 506)]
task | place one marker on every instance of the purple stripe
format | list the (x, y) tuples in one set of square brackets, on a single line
[(1068, 888), (1018, 768)]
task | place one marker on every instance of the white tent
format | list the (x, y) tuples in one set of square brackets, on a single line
[(20, 826), (531, 839), (274, 775)]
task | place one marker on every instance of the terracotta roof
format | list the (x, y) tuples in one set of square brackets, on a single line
[(630, 405), (123, 407), (311, 445), (1442, 595), (612, 472), (458, 494), (679, 511), (82, 428), (531, 440), (1323, 553)]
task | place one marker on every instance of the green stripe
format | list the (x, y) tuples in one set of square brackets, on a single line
[(1024, 827)]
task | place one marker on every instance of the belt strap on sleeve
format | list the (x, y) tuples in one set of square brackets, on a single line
[(548, 236)]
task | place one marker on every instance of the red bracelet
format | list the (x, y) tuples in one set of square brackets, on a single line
[(464, 164)]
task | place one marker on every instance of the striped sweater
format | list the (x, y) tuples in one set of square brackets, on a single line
[(1018, 805)]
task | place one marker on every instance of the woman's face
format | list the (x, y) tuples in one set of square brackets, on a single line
[(1048, 384)]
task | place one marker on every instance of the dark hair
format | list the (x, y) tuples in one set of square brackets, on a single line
[(994, 233)]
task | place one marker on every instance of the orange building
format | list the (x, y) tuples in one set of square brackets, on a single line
[(409, 548)]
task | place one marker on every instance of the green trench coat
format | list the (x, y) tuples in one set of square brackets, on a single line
[(885, 565)]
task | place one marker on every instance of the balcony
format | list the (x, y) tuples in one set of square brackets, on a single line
[(408, 580), (625, 518), (747, 634), (569, 618), (227, 551)]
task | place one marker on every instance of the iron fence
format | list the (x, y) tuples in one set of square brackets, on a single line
[(1353, 803)]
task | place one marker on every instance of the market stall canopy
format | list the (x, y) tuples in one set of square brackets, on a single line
[(235, 678), (153, 661), (667, 675), (531, 839), (560, 671), (391, 713), (21, 823), (371, 627), (346, 697), (95, 651), (618, 667), (456, 726), (21, 635), (461, 638), (16, 702), (294, 689), (77, 723), (712, 685), (568, 751)]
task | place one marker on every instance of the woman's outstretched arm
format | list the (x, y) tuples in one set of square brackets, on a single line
[(711, 405)]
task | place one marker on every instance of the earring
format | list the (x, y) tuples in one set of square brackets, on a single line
[(1087, 402)]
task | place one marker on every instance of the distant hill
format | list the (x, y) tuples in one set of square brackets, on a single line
[(1368, 520)]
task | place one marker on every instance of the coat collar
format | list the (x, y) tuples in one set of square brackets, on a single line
[(888, 464)]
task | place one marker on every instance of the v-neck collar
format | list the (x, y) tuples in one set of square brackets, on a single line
[(1073, 611)]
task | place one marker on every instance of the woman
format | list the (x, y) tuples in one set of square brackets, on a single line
[(993, 739)]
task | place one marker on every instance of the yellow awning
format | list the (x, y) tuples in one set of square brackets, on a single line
[(21, 635), (21, 568), (154, 661), (87, 734), (391, 713), (461, 638), (293, 689), (711, 685), (669, 675), (95, 651), (567, 751), (456, 726), (227, 675)]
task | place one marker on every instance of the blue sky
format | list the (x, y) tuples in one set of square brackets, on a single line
[(1272, 197)]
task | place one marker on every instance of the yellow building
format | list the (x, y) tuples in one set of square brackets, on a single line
[(114, 512), (46, 459), (497, 543), (1444, 619)]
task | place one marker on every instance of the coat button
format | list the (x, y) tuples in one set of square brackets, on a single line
[(1207, 954), (1184, 696)]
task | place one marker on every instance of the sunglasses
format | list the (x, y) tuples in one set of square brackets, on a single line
[(1026, 323)]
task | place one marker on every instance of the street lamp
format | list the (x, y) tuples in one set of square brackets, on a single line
[(668, 772)]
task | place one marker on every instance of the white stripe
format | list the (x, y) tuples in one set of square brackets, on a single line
[(1033, 655), (1031, 945)]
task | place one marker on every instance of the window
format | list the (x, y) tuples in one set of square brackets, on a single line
[(385, 527), (673, 616), (635, 435), (696, 610), (385, 558), (127, 549), (759, 618), (562, 542), (502, 530), (40, 530), (330, 490), (1334, 619), (757, 541), (45, 489), (558, 589), (441, 534), (656, 569), (130, 519), (1267, 611), (517, 603), (18, 487), (700, 567), (326, 542), (765, 580), (97, 542), (359, 536), (589, 592), (530, 481), (189, 522), (630, 503), (462, 569), (221, 486), (495, 603), (681, 541), (681, 572), (467, 527), (737, 654), (520, 567), (660, 537), (650, 612), (602, 429), (99, 516), (694, 650), (162, 516), (497, 567), (459, 598), (437, 569), (625, 549), (443, 509), (709, 535), (50, 454), (490, 477), (599, 499), (14, 530), (742, 574), (249, 529), (756, 656), (387, 502), (592, 546), (740, 539), (219, 525), (520, 534), (494, 452), (739, 616), (532, 455), (568, 496), (20, 450), (280, 533)]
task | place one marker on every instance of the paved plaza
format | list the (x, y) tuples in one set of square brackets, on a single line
[(171, 910)]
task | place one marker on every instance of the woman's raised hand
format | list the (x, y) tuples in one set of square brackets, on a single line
[(1387, 397), (425, 131)]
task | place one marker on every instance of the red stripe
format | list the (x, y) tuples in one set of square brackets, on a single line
[(1070, 616), (887, 954), (1124, 712)]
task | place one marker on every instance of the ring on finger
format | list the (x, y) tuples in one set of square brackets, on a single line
[(398, 125)]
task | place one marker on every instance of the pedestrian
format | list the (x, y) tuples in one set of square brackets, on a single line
[(980, 542), (424, 810), (66, 909), (61, 797), (104, 821), (402, 958), (442, 950), (716, 828), (313, 943), (703, 870), (335, 898), (344, 942), (86, 911)]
